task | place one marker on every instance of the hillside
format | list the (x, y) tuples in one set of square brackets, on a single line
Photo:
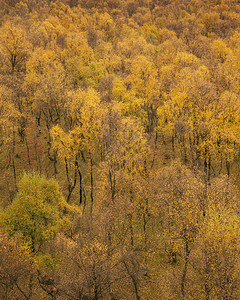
[(119, 149)]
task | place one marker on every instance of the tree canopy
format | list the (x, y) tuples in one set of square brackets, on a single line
[(119, 149)]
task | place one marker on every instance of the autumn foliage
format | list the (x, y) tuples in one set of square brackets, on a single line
[(119, 149)]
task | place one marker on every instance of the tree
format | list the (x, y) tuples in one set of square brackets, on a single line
[(15, 47), (144, 83), (87, 260), (9, 124), (179, 203), (76, 57), (45, 86), (38, 212), (16, 269), (215, 257), (85, 114)]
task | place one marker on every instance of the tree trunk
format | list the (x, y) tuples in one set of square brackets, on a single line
[(80, 184), (13, 159), (91, 183), (184, 275), (71, 182)]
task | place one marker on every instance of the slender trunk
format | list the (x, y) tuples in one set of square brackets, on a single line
[(145, 219), (204, 198), (51, 116), (184, 151), (227, 162), (91, 182), (20, 290), (38, 160), (45, 289), (221, 163), (209, 169), (80, 187), (13, 159), (184, 275), (173, 145), (205, 168), (228, 167), (131, 230), (13, 62), (30, 285), (71, 182), (154, 151), (130, 216), (28, 152), (84, 199), (55, 164), (80, 184), (91, 175), (111, 179), (109, 268), (54, 158), (145, 215), (134, 281), (144, 229), (96, 293), (49, 140), (38, 120), (113, 188), (136, 289), (191, 158), (207, 288), (163, 139), (102, 153), (207, 291)]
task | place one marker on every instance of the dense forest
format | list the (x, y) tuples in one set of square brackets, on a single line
[(120, 149)]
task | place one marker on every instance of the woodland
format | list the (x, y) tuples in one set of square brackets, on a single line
[(120, 149)]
